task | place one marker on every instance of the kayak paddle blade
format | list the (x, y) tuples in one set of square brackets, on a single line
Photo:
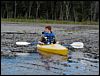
[(77, 45), (22, 43)]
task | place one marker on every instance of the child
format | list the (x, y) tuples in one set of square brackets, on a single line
[(48, 37)]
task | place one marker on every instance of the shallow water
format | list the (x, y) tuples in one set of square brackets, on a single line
[(35, 64)]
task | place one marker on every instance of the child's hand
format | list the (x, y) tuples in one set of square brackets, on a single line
[(57, 42), (40, 42)]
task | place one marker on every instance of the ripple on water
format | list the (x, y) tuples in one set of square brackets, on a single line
[(36, 64)]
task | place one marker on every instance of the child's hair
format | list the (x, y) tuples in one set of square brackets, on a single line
[(48, 27)]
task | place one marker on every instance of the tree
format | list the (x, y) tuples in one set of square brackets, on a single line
[(54, 10), (37, 10), (15, 9), (30, 7)]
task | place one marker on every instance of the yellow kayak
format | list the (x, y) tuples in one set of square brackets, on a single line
[(53, 48)]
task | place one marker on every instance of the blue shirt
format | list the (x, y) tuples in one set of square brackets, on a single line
[(49, 37)]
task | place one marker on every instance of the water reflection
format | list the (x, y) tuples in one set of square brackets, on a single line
[(49, 57), (52, 57)]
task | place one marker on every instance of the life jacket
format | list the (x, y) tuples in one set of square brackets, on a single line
[(49, 37)]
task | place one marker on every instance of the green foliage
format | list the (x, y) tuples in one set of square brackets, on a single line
[(78, 11), (12, 20)]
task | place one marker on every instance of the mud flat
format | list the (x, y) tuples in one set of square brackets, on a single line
[(88, 34)]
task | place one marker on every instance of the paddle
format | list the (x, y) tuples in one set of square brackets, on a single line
[(74, 44), (22, 43), (26, 43)]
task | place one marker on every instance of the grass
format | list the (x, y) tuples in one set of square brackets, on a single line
[(12, 20)]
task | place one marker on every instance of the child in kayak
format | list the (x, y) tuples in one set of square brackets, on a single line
[(48, 37)]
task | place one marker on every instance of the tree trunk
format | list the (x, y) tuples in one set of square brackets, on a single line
[(30, 6), (4, 14), (52, 10), (47, 14), (95, 10), (75, 19), (67, 10), (38, 5), (52, 14), (1, 13), (6, 9), (26, 15), (61, 13), (91, 11), (82, 11), (15, 10)]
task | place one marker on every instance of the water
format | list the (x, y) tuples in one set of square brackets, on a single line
[(36, 64)]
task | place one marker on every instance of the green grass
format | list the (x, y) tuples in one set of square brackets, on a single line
[(12, 20)]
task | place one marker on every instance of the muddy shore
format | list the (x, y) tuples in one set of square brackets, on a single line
[(88, 34)]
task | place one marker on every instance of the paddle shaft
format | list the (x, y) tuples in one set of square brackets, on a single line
[(74, 44)]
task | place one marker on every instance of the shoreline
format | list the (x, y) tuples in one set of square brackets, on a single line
[(44, 21)]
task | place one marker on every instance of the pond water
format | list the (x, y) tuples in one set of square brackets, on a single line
[(37, 64)]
